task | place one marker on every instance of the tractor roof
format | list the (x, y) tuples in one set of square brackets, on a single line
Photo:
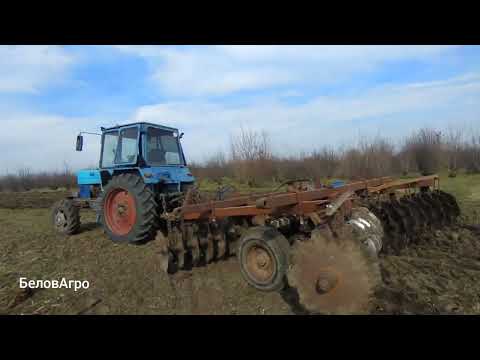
[(140, 123)]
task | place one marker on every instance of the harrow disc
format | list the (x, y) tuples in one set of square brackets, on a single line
[(332, 274), (395, 227), (367, 229), (165, 259), (438, 207), (433, 209), (450, 206), (210, 249), (418, 217), (450, 201), (405, 219)]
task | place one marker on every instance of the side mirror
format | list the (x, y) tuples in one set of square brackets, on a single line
[(79, 143), (181, 136)]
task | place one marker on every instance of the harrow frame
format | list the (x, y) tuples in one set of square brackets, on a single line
[(301, 202)]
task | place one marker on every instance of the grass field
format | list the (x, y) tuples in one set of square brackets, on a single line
[(438, 277)]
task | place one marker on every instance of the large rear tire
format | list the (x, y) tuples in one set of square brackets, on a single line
[(129, 210)]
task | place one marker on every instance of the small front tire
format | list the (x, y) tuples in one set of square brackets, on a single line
[(66, 217)]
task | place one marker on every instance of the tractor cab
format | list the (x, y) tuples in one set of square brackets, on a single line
[(152, 151), (141, 145)]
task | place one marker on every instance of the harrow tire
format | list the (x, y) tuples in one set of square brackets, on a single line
[(146, 216), (66, 217), (262, 250)]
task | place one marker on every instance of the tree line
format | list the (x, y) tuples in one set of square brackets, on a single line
[(250, 160), (426, 151)]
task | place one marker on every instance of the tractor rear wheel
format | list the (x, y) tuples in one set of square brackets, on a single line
[(66, 217), (263, 255), (129, 210)]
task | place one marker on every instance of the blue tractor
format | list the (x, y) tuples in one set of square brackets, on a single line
[(142, 172)]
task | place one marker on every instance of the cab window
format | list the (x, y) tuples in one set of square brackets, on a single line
[(127, 152), (110, 142), (162, 148)]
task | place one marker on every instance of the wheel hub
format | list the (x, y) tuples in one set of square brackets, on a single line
[(262, 258), (60, 219), (327, 281), (260, 264), (120, 211)]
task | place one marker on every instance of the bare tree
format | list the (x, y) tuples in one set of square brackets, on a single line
[(426, 146), (250, 145), (252, 156), (471, 154), (453, 148)]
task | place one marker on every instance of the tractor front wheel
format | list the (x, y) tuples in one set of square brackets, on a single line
[(66, 217), (129, 210)]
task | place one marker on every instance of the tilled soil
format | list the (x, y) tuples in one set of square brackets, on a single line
[(439, 275), (124, 279)]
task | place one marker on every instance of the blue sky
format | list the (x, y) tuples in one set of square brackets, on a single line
[(303, 96)]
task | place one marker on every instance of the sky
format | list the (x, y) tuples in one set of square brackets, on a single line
[(304, 97)]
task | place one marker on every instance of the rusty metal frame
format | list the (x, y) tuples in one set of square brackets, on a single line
[(299, 203)]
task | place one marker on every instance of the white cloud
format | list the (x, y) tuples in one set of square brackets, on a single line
[(220, 70), (323, 120), (44, 142), (30, 68)]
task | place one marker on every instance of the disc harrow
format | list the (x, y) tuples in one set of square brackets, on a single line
[(321, 244)]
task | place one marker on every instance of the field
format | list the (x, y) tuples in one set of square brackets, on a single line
[(438, 276)]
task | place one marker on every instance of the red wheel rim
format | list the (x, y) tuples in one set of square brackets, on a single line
[(120, 211)]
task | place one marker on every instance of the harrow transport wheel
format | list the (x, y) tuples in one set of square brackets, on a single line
[(66, 217), (332, 275), (263, 257), (129, 210)]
